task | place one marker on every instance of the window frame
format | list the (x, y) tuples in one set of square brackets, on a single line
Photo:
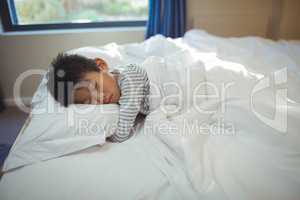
[(10, 22)]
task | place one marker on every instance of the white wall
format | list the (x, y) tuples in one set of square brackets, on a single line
[(21, 52)]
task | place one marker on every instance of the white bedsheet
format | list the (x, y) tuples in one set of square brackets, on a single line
[(262, 159), (257, 160), (134, 169)]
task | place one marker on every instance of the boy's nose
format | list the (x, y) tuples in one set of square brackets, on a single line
[(105, 99)]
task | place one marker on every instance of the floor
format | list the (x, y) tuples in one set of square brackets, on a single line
[(11, 121)]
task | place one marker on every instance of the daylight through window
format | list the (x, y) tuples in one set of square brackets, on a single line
[(79, 11)]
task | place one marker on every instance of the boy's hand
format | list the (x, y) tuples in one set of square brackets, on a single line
[(110, 139)]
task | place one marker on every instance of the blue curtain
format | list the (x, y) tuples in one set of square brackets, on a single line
[(166, 17)]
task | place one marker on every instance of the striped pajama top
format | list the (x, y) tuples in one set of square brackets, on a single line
[(135, 88)]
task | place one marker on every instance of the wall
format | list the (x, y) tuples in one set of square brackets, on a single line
[(290, 26), (275, 19), (20, 52)]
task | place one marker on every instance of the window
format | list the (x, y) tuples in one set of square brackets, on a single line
[(60, 14)]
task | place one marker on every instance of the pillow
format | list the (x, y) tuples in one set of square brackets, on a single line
[(54, 130), (51, 134), (109, 53)]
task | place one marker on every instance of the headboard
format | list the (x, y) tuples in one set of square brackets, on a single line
[(273, 19)]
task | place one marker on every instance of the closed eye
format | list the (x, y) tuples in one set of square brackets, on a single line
[(87, 101)]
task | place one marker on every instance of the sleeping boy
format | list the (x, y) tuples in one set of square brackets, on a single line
[(80, 80)]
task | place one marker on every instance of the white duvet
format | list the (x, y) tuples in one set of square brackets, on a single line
[(239, 139)]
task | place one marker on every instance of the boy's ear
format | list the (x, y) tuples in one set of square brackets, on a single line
[(101, 64)]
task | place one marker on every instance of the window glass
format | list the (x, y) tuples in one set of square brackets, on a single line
[(79, 11)]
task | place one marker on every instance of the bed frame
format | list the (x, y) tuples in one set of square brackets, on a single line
[(17, 139), (273, 19)]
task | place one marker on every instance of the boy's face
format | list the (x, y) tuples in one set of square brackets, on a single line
[(97, 87)]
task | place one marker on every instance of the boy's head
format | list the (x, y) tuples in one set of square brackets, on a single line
[(77, 79)]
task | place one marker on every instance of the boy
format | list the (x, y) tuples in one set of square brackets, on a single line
[(77, 79)]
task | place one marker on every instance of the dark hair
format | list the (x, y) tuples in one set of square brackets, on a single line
[(65, 72)]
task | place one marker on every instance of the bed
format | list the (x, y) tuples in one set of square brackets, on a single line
[(245, 144)]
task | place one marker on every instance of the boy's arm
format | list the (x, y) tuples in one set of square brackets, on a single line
[(132, 89)]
